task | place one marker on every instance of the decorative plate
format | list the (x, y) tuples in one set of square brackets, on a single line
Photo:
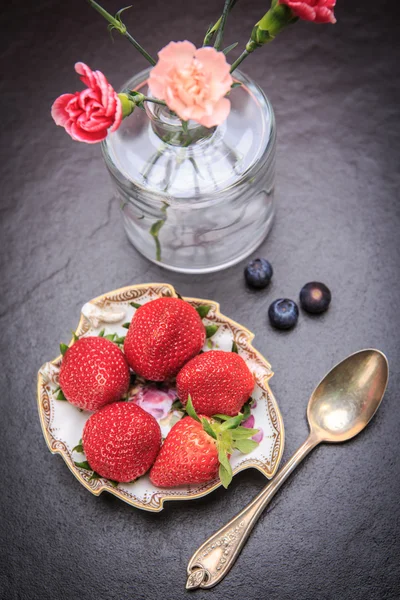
[(109, 315)]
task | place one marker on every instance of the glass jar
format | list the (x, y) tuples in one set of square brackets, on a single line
[(193, 199)]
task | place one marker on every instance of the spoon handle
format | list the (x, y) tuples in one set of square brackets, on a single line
[(212, 561)]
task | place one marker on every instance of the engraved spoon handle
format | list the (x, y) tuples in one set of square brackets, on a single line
[(212, 561)]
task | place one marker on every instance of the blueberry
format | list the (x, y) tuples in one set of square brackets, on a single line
[(315, 297), (283, 313), (258, 273)]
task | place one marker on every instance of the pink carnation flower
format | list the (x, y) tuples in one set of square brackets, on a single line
[(249, 423), (319, 11), (88, 115), (155, 401), (193, 82)]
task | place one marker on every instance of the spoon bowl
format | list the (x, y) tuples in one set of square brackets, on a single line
[(348, 396)]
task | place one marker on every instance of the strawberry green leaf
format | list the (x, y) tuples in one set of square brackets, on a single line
[(246, 411), (234, 347), (119, 339), (113, 483), (177, 405), (126, 325), (243, 433), (102, 332), (79, 447), (211, 330), (135, 304), (222, 417), (60, 396), (232, 422), (225, 476), (225, 469), (83, 465), (209, 344), (63, 348), (223, 459), (190, 409), (203, 310), (111, 336), (245, 446), (75, 337), (94, 475), (208, 429)]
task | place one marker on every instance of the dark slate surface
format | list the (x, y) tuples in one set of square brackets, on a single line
[(333, 531)]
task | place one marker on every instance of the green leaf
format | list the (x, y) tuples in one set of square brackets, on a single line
[(60, 396), (236, 84), (190, 409), (225, 476), (75, 337), (222, 417), (225, 469), (245, 446), (208, 429), (94, 475), (102, 332), (135, 304), (63, 348), (223, 459), (121, 10), (211, 330), (234, 347), (178, 295), (113, 483), (119, 339), (184, 126), (110, 336), (177, 405), (243, 433), (203, 310), (79, 447), (83, 465), (209, 344), (126, 325), (232, 422), (229, 48), (246, 411)]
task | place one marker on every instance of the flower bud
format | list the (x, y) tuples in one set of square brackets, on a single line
[(272, 23)]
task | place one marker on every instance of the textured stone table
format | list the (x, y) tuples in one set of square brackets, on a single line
[(333, 531)]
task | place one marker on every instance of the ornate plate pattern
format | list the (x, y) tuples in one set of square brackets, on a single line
[(62, 423)]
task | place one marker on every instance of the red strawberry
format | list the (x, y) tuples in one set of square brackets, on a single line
[(121, 441), (197, 451), (217, 381), (163, 335), (93, 373), (188, 455)]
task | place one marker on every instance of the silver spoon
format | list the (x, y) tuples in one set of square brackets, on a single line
[(340, 407)]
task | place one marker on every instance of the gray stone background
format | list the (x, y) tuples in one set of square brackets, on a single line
[(333, 531)]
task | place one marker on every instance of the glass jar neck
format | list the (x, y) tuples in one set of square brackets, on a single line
[(171, 130)]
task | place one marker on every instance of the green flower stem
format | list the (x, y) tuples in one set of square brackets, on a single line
[(212, 31), (117, 24), (241, 58), (147, 99), (221, 27)]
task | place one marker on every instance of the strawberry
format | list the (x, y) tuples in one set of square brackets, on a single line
[(163, 335), (121, 441), (93, 373), (197, 450), (217, 381)]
